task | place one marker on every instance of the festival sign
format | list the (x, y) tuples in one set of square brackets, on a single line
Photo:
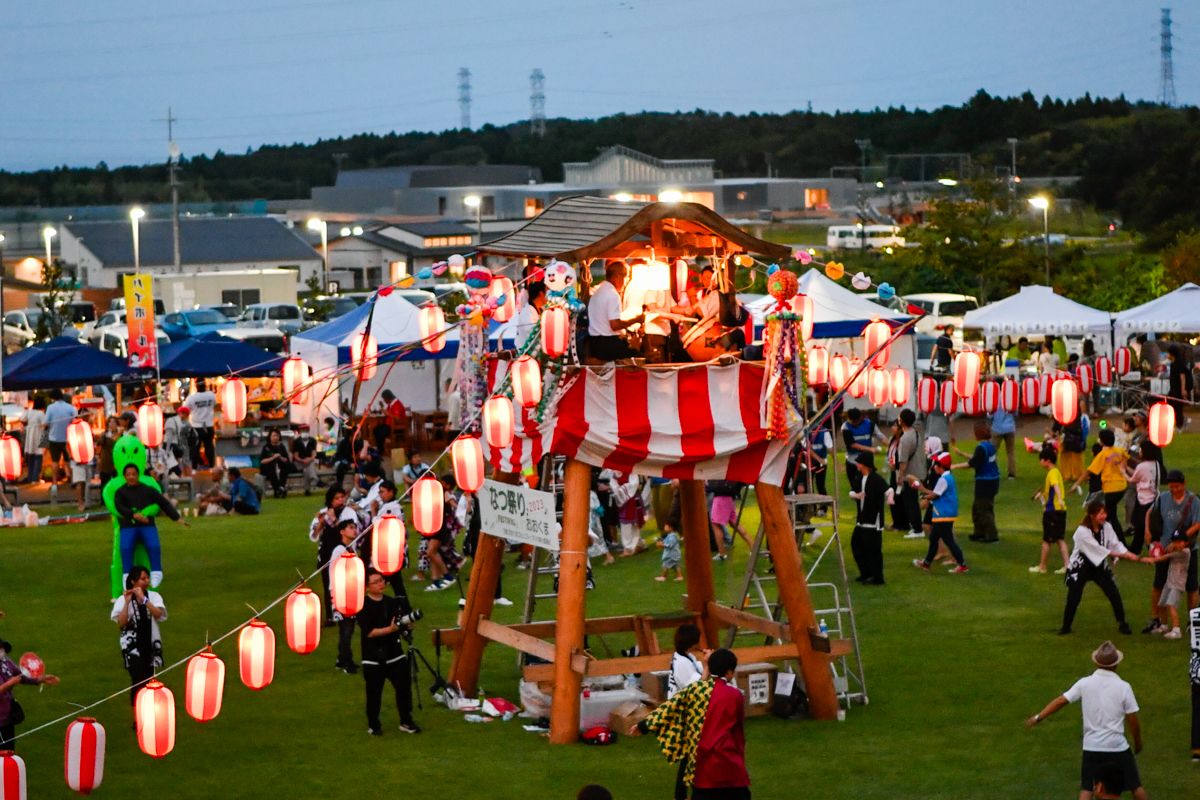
[(139, 319), (518, 514)]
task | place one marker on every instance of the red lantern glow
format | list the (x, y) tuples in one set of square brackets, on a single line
[(79, 441), (256, 654), (875, 337), (205, 686), (154, 711), (1122, 361), (802, 304), (973, 406), (503, 286), (467, 455), (233, 400), (83, 766), (427, 506), (1161, 424), (10, 458), (12, 776), (879, 387), (901, 386), (1010, 396), (1085, 378), (1045, 383), (818, 365), (681, 280), (295, 379), (302, 617), (150, 423), (498, 421), (967, 366), (526, 381), (347, 582), (364, 355), (556, 331), (1104, 370), (858, 386), (947, 398), (387, 544), (1064, 401), (1030, 393), (839, 372), (433, 325), (990, 396), (927, 394)]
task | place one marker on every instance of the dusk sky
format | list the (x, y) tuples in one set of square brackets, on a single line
[(83, 82)]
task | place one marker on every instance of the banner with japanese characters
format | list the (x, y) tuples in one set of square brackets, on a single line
[(139, 319)]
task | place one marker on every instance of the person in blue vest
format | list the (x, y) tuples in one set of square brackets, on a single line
[(859, 434), (943, 499), (987, 484)]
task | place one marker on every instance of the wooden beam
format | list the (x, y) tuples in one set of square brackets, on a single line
[(740, 619), (505, 635), (452, 637), (570, 612), (694, 508), (623, 666)]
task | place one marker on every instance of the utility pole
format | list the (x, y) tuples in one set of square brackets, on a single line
[(464, 98), (863, 146), (537, 103), (1166, 70), (1012, 176), (173, 181)]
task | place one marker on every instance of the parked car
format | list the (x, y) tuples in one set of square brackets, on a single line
[(198, 321), (92, 332), (285, 317), (118, 304), (942, 309), (21, 328), (230, 310), (266, 338), (115, 339), (333, 307)]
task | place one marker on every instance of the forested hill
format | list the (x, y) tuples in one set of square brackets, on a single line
[(1137, 160)]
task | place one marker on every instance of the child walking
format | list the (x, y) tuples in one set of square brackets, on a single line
[(671, 556), (1177, 555), (1054, 511), (944, 501)]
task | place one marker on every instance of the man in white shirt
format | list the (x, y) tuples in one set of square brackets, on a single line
[(59, 415), (202, 404), (604, 317), (527, 317), (1108, 708)]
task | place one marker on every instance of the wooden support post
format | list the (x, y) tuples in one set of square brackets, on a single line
[(571, 606), (695, 550), (793, 591)]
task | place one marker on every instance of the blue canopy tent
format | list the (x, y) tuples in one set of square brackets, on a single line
[(213, 355), (63, 362)]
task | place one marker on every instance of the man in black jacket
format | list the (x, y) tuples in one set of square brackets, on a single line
[(131, 501), (866, 543), (383, 656)]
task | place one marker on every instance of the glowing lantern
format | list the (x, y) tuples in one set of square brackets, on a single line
[(879, 387), (990, 392), (295, 379), (839, 372), (205, 686), (972, 406), (433, 324), (150, 423), (302, 617), (364, 355), (79, 441), (10, 458), (1010, 396), (818, 365), (503, 286), (1122, 360), (875, 337), (1029, 395), (427, 506), (498, 421), (858, 387), (927, 392), (347, 579), (966, 373), (83, 766), (387, 545), (256, 652), (233, 400), (1064, 401), (1161, 424), (154, 710), (802, 304), (12, 776), (1085, 378), (467, 455), (527, 381), (681, 280), (556, 331), (1045, 383), (901, 386), (947, 398), (1104, 370)]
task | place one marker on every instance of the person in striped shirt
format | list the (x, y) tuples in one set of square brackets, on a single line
[(1054, 511)]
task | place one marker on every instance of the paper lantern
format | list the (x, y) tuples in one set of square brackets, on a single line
[(80, 445), (1085, 378), (681, 280), (1010, 396), (967, 366), (433, 325), (12, 776), (875, 337), (10, 458), (503, 286), (427, 506), (901, 386), (387, 544), (364, 355), (1030, 394), (154, 710), (150, 423), (347, 579), (1045, 383), (256, 653), (839, 372), (879, 387), (1122, 361), (1104, 371), (947, 398), (526, 381), (498, 421), (1064, 401), (556, 331), (233, 400), (302, 620), (858, 385), (802, 304), (83, 763), (972, 406), (295, 379), (1161, 424), (990, 396), (927, 395), (467, 455), (205, 686), (818, 365)]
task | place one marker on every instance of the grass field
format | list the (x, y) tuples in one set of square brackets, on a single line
[(954, 664)]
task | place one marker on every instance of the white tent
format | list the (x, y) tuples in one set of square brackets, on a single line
[(1038, 310), (1175, 312)]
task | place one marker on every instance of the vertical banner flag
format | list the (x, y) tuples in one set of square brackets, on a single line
[(139, 319)]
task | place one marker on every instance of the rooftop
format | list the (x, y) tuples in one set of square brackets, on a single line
[(212, 240)]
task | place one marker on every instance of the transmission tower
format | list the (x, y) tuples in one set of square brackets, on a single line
[(537, 103), (1166, 75), (464, 98)]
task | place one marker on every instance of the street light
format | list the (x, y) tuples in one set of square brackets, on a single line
[(48, 233), (670, 196), (322, 226), (1043, 202), (476, 202), (135, 216)]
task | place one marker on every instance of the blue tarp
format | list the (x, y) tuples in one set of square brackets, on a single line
[(63, 362), (213, 355)]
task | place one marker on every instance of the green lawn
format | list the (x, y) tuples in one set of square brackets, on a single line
[(954, 664)]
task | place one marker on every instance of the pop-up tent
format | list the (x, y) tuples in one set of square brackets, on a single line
[(213, 355), (1175, 312), (63, 362), (1038, 310)]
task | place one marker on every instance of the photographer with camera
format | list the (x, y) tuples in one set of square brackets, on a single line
[(383, 620)]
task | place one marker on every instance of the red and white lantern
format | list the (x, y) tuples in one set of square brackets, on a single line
[(503, 286), (427, 506), (83, 765), (256, 652), (947, 398), (150, 424), (1064, 401), (818, 365), (802, 304), (302, 619), (927, 395), (1085, 379), (387, 544), (432, 323), (364, 355), (681, 280), (205, 686), (1122, 361), (990, 396), (498, 421), (1046, 383), (1010, 396), (467, 455), (1030, 394), (1161, 424), (901, 386), (233, 400), (839, 372), (80, 445), (1104, 370), (858, 386), (10, 458), (875, 337), (967, 366), (154, 710), (973, 406), (556, 331), (527, 381), (295, 379), (347, 584), (12, 776), (879, 387)]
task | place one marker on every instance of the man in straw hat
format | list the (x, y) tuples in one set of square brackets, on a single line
[(1108, 708)]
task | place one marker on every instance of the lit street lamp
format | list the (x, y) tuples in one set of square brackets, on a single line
[(48, 233), (322, 226), (476, 202), (1043, 202), (135, 217)]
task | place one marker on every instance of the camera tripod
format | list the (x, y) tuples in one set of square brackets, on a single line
[(439, 683)]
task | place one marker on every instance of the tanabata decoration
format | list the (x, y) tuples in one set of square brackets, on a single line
[(470, 368), (834, 270), (784, 355), (560, 279), (861, 281)]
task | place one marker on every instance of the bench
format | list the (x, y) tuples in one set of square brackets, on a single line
[(178, 485)]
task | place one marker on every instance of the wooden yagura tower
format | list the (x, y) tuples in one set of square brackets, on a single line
[(693, 422)]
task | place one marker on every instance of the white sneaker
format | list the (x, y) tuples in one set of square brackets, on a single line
[(1038, 570), (1161, 630), (1173, 634), (155, 578), (502, 601), (914, 535)]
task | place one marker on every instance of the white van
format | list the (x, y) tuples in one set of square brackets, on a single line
[(942, 309), (860, 237)]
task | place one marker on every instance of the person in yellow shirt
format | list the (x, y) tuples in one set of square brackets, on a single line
[(1054, 511), (1108, 465)]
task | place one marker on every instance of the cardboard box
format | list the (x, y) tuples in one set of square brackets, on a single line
[(625, 717), (654, 684), (757, 682)]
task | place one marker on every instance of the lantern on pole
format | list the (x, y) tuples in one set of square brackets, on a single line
[(154, 710), (947, 398), (901, 386), (927, 395), (467, 455), (527, 381), (233, 400), (967, 366), (502, 286), (818, 365), (858, 386), (839, 372), (498, 421), (556, 331), (879, 387), (302, 616), (347, 583), (205, 686), (83, 765), (427, 506), (10, 458), (364, 355), (1064, 401), (1010, 396), (79, 441), (1104, 370), (12, 776), (150, 424), (432, 325), (1030, 393), (256, 652), (1085, 379), (875, 337), (295, 379), (990, 391), (388, 543), (1122, 361), (1161, 424), (802, 304)]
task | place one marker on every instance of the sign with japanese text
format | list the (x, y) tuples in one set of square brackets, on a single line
[(139, 319), (518, 514)]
